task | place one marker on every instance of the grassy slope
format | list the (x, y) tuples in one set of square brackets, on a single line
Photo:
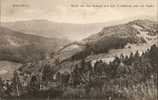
[(16, 46)]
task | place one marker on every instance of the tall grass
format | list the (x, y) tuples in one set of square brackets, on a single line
[(143, 91)]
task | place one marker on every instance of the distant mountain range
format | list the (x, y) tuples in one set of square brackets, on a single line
[(47, 28)]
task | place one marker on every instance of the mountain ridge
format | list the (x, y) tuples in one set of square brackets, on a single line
[(72, 31)]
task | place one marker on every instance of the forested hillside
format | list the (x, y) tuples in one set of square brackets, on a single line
[(137, 32), (132, 78)]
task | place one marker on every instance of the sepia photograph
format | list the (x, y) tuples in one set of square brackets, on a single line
[(78, 50)]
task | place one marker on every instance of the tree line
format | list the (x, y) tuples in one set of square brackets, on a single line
[(130, 77)]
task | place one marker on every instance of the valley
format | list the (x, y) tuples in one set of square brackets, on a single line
[(117, 61)]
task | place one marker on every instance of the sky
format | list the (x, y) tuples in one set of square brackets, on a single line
[(62, 10)]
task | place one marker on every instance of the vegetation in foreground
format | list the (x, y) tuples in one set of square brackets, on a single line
[(126, 78)]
